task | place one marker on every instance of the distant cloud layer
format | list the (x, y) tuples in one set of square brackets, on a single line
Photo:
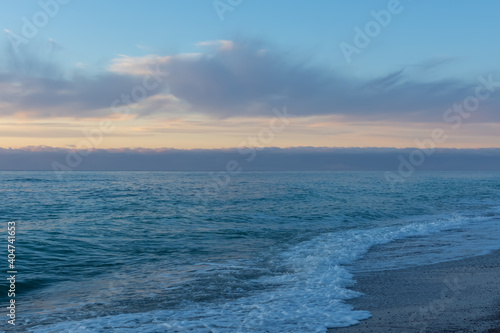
[(266, 159), (232, 79)]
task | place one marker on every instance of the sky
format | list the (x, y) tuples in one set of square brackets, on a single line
[(238, 73)]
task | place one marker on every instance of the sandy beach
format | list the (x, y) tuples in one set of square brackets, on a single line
[(456, 296)]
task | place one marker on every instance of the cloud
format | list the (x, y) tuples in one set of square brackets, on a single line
[(266, 159), (34, 86), (126, 65), (222, 45), (247, 79), (79, 97), (436, 62), (238, 78)]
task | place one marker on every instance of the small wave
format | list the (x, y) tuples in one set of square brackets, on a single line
[(306, 294), (28, 180)]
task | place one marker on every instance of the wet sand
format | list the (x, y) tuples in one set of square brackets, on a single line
[(455, 296)]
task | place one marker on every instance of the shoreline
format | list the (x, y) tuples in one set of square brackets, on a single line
[(454, 296)]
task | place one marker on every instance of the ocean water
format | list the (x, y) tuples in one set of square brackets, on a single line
[(197, 252)]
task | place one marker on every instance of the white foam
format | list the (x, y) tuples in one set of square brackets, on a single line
[(308, 295), (480, 235)]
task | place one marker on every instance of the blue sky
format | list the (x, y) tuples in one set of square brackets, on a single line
[(94, 31), (225, 76)]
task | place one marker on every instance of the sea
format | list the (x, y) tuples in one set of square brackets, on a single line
[(210, 252)]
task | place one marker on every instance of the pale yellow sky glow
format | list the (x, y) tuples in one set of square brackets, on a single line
[(190, 132), (225, 95)]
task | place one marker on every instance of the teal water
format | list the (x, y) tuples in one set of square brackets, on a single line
[(266, 252)]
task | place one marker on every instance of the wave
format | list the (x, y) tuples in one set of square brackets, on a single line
[(29, 180), (306, 293)]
